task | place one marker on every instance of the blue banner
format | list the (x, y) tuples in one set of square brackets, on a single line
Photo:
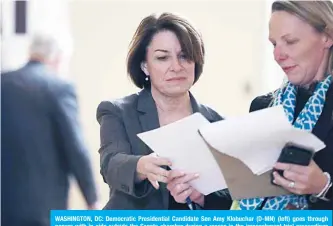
[(190, 218)]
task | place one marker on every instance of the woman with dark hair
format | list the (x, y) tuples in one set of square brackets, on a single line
[(165, 59)]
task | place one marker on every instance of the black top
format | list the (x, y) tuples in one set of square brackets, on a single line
[(302, 97)]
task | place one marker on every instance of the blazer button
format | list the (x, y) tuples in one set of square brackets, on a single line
[(125, 187)]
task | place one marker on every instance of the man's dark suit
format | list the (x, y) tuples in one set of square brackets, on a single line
[(121, 120), (41, 146)]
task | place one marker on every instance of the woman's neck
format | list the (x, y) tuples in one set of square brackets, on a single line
[(171, 104), (310, 87), (321, 73)]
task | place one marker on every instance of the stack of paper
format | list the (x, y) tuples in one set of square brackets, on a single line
[(252, 142), (182, 144), (257, 138)]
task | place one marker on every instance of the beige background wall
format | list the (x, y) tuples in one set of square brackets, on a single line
[(233, 33), (239, 62)]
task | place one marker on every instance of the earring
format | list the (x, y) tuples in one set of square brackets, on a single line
[(147, 78)]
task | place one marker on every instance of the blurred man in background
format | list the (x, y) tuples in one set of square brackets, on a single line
[(42, 144)]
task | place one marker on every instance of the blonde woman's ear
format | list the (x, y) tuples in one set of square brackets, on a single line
[(329, 37)]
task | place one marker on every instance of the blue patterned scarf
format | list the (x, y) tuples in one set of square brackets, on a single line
[(306, 120)]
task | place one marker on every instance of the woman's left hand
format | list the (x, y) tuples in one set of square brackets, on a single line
[(299, 179), (180, 189)]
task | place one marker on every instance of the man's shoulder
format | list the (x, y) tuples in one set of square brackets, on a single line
[(10, 76), (36, 78), (59, 86)]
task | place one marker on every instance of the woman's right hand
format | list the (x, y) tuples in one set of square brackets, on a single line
[(149, 167)]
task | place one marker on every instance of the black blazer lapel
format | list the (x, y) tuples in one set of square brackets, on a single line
[(197, 107), (148, 117), (148, 112)]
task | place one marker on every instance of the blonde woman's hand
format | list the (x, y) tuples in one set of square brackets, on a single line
[(300, 179)]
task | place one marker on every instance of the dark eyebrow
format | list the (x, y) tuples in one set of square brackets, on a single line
[(161, 50)]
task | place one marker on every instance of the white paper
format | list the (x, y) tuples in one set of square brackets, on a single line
[(182, 144), (257, 138)]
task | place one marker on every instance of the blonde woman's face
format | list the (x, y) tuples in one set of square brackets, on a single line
[(299, 49)]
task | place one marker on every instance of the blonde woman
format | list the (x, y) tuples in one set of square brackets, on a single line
[(302, 35)]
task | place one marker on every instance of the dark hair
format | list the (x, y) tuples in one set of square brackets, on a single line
[(319, 14), (190, 41)]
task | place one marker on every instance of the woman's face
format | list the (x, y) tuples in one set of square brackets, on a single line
[(168, 69), (299, 49)]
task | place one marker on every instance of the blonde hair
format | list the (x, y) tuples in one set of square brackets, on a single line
[(319, 14)]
